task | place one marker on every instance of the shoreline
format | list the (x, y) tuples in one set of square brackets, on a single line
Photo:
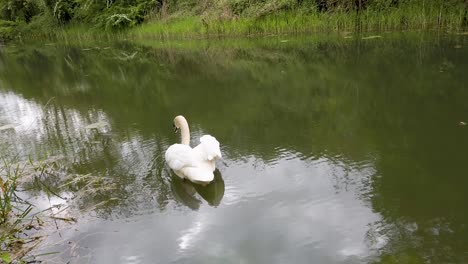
[(278, 24)]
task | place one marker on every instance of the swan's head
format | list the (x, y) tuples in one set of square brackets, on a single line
[(179, 122)]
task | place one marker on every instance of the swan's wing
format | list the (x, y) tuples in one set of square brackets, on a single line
[(179, 156), (209, 148)]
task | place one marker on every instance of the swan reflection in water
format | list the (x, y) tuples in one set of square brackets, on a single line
[(186, 192)]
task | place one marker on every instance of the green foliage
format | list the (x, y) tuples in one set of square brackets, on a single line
[(18, 10), (63, 10), (7, 30), (5, 257), (114, 15), (110, 14), (238, 6)]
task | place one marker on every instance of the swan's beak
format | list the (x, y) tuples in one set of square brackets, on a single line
[(176, 129)]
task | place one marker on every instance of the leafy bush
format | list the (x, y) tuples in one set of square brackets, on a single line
[(7, 30), (18, 10), (114, 15), (238, 6), (63, 10)]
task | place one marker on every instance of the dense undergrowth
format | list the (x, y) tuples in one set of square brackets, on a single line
[(190, 18)]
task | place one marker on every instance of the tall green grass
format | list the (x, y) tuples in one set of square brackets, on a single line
[(405, 17)]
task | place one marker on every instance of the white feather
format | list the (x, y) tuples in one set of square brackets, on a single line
[(209, 148), (179, 156)]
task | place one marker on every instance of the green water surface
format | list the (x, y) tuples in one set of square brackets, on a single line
[(335, 150)]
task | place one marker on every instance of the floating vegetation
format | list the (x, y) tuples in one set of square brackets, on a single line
[(97, 125), (7, 127), (372, 37)]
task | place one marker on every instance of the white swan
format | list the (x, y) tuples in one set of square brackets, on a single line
[(196, 164)]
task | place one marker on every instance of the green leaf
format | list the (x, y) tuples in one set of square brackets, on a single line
[(5, 257)]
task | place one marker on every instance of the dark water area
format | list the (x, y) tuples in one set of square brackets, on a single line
[(335, 150)]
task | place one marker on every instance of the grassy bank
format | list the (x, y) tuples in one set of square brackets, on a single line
[(292, 22), (248, 18)]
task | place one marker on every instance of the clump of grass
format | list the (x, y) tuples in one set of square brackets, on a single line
[(14, 215)]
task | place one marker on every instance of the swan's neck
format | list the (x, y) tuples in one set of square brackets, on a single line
[(184, 133)]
